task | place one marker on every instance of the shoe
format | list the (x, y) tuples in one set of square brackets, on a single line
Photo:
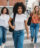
[(34, 45), (0, 46), (3, 45), (32, 40)]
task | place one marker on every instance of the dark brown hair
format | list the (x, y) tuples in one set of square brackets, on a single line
[(19, 4), (3, 9)]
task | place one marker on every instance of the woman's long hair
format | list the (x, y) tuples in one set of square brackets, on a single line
[(39, 11), (3, 9), (35, 10)]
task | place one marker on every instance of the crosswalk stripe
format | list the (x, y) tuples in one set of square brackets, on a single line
[(10, 35), (10, 41)]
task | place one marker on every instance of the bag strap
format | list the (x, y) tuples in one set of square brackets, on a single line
[(14, 17)]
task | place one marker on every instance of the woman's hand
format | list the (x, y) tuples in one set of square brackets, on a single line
[(39, 30), (27, 29), (27, 32), (27, 36), (13, 27)]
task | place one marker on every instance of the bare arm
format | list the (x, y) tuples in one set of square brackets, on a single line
[(10, 23), (26, 27)]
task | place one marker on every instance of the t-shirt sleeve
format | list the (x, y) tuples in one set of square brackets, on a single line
[(25, 17), (11, 15)]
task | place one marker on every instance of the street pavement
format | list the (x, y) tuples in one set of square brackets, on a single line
[(27, 42)]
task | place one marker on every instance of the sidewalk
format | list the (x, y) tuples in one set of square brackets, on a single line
[(27, 42)]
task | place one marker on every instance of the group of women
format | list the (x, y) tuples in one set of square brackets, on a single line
[(19, 24)]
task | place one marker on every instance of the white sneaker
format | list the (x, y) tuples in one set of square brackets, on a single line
[(0, 46), (34, 45), (3, 45)]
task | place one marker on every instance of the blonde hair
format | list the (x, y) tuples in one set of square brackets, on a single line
[(39, 11), (35, 10)]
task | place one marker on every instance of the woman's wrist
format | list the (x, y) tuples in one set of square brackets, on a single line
[(28, 32), (11, 26)]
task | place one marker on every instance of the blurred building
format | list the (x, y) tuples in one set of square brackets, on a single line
[(12, 2), (3, 2), (37, 2)]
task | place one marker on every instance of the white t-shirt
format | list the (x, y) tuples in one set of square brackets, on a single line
[(19, 21), (4, 18)]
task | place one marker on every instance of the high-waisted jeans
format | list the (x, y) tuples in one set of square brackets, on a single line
[(18, 37), (34, 29), (3, 31)]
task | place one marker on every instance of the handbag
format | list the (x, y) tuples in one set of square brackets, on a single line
[(12, 22), (29, 21)]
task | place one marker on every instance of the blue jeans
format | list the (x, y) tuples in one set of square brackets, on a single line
[(18, 37), (2, 35), (34, 29)]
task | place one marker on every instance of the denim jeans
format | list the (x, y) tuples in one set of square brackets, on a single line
[(18, 37), (34, 29), (2, 35)]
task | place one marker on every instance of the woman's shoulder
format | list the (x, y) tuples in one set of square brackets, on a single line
[(4, 14), (7, 14), (24, 14), (12, 15)]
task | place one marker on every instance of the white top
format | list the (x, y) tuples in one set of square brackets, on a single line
[(4, 18), (19, 21)]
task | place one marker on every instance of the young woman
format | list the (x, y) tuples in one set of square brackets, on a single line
[(39, 15), (20, 23), (3, 26), (34, 27), (39, 18)]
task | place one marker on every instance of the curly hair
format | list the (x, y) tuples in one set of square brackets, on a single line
[(3, 9), (19, 4)]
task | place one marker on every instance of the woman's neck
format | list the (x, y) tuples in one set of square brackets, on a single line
[(36, 13)]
